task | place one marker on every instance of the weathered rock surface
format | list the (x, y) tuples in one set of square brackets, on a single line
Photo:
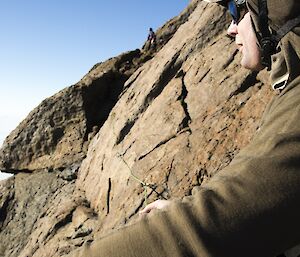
[(36, 213), (183, 117), (57, 132), (154, 124)]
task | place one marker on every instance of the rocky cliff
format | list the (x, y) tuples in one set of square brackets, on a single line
[(145, 125)]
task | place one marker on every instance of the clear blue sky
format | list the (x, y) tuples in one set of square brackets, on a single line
[(46, 45)]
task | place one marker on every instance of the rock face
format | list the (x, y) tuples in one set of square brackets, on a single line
[(57, 132), (141, 126)]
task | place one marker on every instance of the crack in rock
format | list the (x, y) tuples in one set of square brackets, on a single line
[(230, 59), (187, 119), (248, 82), (108, 196), (184, 125), (157, 146), (166, 76)]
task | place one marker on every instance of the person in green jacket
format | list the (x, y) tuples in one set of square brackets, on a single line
[(252, 207)]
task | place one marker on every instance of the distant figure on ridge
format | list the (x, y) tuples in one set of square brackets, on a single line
[(152, 39)]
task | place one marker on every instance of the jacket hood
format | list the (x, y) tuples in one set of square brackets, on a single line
[(286, 62)]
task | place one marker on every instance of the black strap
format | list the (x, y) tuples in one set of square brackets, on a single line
[(268, 41), (263, 18)]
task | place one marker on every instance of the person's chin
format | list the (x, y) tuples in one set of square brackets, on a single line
[(251, 66), (255, 67), (246, 65)]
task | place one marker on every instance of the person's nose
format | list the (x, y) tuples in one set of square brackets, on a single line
[(232, 30)]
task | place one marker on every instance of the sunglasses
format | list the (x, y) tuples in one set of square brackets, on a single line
[(237, 9)]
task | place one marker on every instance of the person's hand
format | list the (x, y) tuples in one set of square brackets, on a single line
[(158, 204)]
